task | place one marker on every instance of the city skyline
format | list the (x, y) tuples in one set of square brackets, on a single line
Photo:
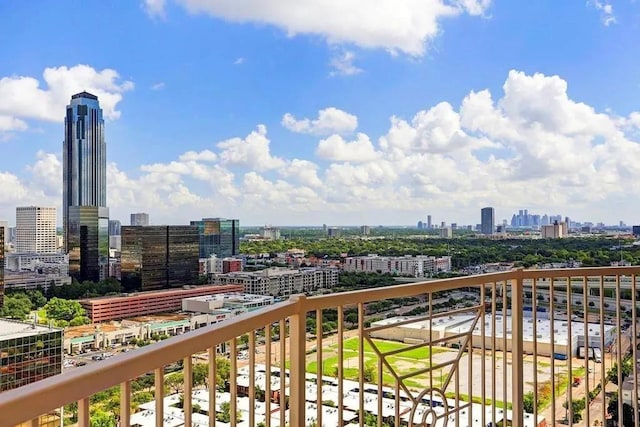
[(217, 109)]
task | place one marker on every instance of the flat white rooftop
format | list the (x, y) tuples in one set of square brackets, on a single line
[(10, 329)]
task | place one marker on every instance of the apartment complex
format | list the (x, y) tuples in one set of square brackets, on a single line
[(36, 229), (418, 266), (28, 353), (281, 281), (158, 256), (104, 309)]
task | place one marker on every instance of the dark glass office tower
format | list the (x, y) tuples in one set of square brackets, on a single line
[(218, 236), (157, 257), (85, 213), (487, 220)]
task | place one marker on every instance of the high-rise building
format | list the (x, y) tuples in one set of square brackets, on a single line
[(114, 227), (5, 228), (88, 245), (157, 257), (140, 218), (636, 230), (429, 221), (36, 229), (365, 230), (218, 236), (487, 220), (85, 212), (446, 232), (557, 230), (1, 267)]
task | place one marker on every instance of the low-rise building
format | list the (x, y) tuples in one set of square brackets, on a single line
[(226, 304), (124, 306)]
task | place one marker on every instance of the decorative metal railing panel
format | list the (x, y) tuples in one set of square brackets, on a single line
[(521, 348)]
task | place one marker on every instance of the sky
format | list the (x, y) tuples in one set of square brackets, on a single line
[(337, 112)]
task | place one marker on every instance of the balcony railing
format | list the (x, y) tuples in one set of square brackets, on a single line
[(494, 349)]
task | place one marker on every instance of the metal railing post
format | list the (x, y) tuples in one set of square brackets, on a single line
[(517, 354), (297, 401)]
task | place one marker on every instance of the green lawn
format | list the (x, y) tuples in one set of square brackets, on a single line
[(403, 363), (421, 353)]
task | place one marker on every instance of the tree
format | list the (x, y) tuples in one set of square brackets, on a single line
[(102, 419), (61, 309), (223, 370), (527, 402), (200, 374), (37, 299), (369, 373), (175, 382), (17, 306)]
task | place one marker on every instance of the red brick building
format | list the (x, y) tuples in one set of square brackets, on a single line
[(104, 309)]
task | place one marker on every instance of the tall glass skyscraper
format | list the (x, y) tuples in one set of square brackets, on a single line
[(85, 212)]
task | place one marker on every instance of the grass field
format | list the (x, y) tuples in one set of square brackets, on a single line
[(403, 362)]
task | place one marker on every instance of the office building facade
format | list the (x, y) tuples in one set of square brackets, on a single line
[(1, 266), (88, 245), (140, 218), (487, 220), (85, 212), (158, 257), (36, 229), (218, 236), (28, 353)]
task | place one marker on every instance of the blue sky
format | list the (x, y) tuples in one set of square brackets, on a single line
[(309, 112)]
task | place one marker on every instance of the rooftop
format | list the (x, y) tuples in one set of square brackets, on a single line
[(10, 329), (164, 292), (84, 94)]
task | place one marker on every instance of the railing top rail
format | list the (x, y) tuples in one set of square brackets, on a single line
[(405, 290), (580, 272), (44, 396)]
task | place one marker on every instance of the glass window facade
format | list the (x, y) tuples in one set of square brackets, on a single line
[(1, 266), (85, 187), (88, 244), (218, 236), (27, 359), (157, 257)]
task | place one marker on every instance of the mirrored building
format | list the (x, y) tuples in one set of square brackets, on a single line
[(157, 257), (218, 236), (28, 353), (85, 214)]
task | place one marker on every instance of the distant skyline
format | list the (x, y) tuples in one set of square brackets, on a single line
[(303, 112)]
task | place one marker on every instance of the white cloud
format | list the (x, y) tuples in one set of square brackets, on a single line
[(606, 11), (154, 8), (252, 152), (342, 65), (395, 25), (330, 120), (22, 98), (47, 173), (529, 145), (335, 148), (158, 86), (239, 61), (8, 123)]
